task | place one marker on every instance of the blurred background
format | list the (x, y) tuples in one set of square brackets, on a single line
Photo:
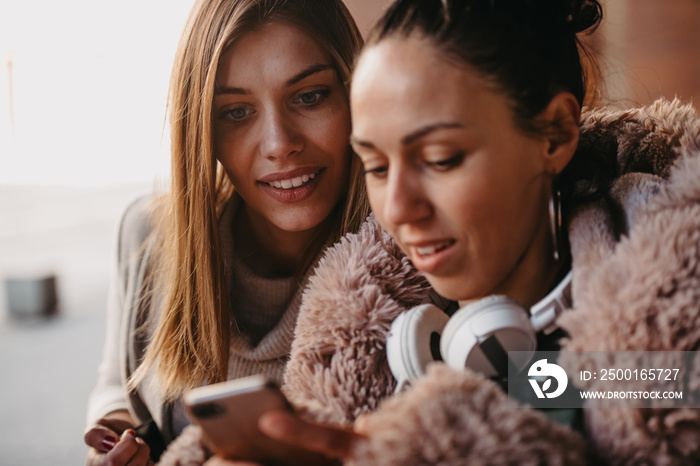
[(83, 88)]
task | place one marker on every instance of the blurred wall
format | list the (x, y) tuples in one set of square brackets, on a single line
[(366, 12), (646, 48), (649, 49), (83, 88)]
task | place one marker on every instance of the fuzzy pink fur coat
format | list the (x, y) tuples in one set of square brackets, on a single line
[(639, 293)]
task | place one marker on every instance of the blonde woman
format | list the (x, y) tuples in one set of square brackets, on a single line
[(210, 275)]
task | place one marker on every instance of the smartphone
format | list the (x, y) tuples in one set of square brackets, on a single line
[(228, 414)]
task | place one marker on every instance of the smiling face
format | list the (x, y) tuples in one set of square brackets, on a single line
[(462, 190), (281, 125)]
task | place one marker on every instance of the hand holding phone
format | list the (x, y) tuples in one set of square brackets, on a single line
[(228, 414)]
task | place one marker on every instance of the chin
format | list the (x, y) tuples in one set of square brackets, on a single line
[(453, 289), (299, 222)]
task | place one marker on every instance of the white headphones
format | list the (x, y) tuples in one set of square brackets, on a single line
[(478, 336)]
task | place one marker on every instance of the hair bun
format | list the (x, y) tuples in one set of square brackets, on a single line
[(584, 14), (565, 15)]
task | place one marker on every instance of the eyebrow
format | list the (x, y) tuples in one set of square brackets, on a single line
[(313, 69), (411, 137), (424, 131)]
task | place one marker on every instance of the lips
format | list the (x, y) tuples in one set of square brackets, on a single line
[(292, 185), (295, 182), (289, 175), (425, 251), (431, 256)]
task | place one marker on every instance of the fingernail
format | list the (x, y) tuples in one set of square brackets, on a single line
[(109, 442), (131, 432), (270, 424)]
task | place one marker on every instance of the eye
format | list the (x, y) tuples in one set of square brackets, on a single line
[(309, 97), (376, 172), (312, 98), (448, 163), (237, 114)]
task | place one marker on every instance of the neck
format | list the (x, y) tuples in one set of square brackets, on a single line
[(271, 252)]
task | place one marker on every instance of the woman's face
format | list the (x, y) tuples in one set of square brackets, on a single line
[(462, 190), (281, 126)]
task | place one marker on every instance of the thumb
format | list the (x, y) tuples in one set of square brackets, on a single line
[(361, 424), (333, 442)]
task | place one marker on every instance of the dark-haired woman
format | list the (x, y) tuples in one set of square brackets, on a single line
[(466, 116), (464, 113)]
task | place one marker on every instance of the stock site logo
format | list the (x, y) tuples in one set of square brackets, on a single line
[(541, 370)]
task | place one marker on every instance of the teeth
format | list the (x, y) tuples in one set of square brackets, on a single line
[(292, 183), (428, 250)]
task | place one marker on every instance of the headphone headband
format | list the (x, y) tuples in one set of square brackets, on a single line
[(545, 312)]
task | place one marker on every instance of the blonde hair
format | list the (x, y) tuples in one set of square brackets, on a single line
[(191, 341)]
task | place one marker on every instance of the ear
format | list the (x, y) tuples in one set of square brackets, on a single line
[(562, 117)]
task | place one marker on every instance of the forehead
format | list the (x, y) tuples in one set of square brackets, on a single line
[(410, 61), (271, 53), (406, 82)]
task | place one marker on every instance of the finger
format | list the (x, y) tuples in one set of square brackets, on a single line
[(94, 458), (330, 441), (361, 424), (116, 424), (125, 449), (101, 438), (142, 457)]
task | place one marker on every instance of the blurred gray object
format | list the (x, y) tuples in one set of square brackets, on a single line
[(31, 297)]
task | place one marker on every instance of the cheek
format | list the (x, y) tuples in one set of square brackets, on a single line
[(487, 217), (466, 197), (498, 225), (223, 147), (236, 168), (377, 196), (233, 152), (474, 210), (331, 129)]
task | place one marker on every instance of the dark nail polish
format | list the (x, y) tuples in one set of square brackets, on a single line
[(108, 443)]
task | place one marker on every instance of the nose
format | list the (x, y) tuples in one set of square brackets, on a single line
[(280, 138), (406, 201)]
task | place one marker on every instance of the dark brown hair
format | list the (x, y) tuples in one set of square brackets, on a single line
[(529, 50)]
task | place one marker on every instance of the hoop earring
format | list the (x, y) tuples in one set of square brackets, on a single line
[(555, 217)]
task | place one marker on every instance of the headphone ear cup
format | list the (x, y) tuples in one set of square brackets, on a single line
[(480, 335), (413, 342)]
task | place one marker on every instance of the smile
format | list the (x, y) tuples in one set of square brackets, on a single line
[(426, 251), (432, 256), (293, 183)]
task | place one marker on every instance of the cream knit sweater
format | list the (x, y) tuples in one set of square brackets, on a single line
[(265, 311)]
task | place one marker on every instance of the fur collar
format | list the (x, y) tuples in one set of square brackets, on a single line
[(639, 291)]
